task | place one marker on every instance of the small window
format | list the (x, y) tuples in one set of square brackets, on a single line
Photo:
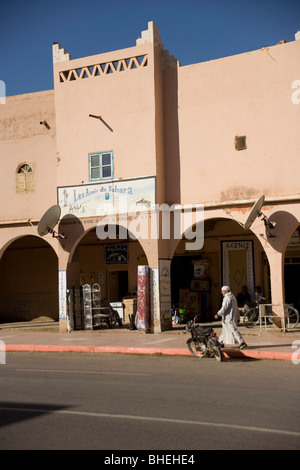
[(24, 178), (240, 142), (101, 166)]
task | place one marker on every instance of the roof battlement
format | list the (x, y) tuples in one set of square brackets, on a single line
[(150, 36), (59, 54), (94, 69)]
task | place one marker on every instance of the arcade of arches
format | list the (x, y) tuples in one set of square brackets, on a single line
[(29, 270)]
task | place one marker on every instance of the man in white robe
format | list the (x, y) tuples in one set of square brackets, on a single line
[(230, 317)]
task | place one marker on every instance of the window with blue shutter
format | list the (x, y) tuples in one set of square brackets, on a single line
[(101, 166)]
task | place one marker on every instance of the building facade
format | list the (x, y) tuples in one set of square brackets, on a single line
[(125, 142)]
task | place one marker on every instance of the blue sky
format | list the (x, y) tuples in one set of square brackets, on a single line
[(192, 30)]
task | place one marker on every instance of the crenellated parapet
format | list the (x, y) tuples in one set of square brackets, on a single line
[(151, 36), (59, 54)]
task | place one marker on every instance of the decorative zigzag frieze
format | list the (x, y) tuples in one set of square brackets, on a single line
[(103, 68)]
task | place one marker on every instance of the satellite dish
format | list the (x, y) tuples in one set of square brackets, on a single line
[(254, 213), (48, 221)]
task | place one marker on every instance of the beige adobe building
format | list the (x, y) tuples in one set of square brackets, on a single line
[(134, 127)]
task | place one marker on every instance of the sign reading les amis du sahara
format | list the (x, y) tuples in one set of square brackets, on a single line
[(122, 196)]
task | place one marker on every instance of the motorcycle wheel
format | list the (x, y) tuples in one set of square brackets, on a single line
[(215, 351), (195, 348)]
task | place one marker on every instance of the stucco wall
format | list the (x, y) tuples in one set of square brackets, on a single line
[(126, 102), (248, 94), (24, 140)]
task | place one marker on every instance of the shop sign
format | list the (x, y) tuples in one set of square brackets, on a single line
[(107, 198), (116, 254), (236, 272), (295, 239)]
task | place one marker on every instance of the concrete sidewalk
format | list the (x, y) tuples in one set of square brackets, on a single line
[(266, 344)]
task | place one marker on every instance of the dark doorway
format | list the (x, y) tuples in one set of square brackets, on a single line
[(118, 285), (292, 284)]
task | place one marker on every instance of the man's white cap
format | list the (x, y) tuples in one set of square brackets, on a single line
[(226, 288)]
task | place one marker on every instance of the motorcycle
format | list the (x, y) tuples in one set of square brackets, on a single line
[(203, 342)]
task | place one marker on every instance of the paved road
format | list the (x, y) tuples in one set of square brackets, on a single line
[(86, 401)]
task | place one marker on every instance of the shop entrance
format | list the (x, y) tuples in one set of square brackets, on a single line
[(291, 280), (292, 271), (230, 256), (117, 285), (29, 281), (112, 263), (195, 284)]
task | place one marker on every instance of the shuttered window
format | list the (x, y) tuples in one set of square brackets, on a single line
[(24, 178), (101, 166)]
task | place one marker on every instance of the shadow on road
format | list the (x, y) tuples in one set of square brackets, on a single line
[(15, 412)]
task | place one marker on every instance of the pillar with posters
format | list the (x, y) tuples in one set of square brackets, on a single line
[(165, 294), (143, 298)]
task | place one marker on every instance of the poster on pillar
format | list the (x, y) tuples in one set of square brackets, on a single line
[(237, 265), (143, 298), (62, 287), (165, 292), (155, 300)]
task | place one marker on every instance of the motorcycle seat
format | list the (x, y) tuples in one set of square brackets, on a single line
[(206, 331)]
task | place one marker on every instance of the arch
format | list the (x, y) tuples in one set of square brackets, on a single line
[(291, 266), (220, 227), (295, 227), (118, 227), (88, 261), (24, 235), (24, 168), (28, 280)]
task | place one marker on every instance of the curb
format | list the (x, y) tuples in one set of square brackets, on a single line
[(97, 349), (282, 356), (248, 354)]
